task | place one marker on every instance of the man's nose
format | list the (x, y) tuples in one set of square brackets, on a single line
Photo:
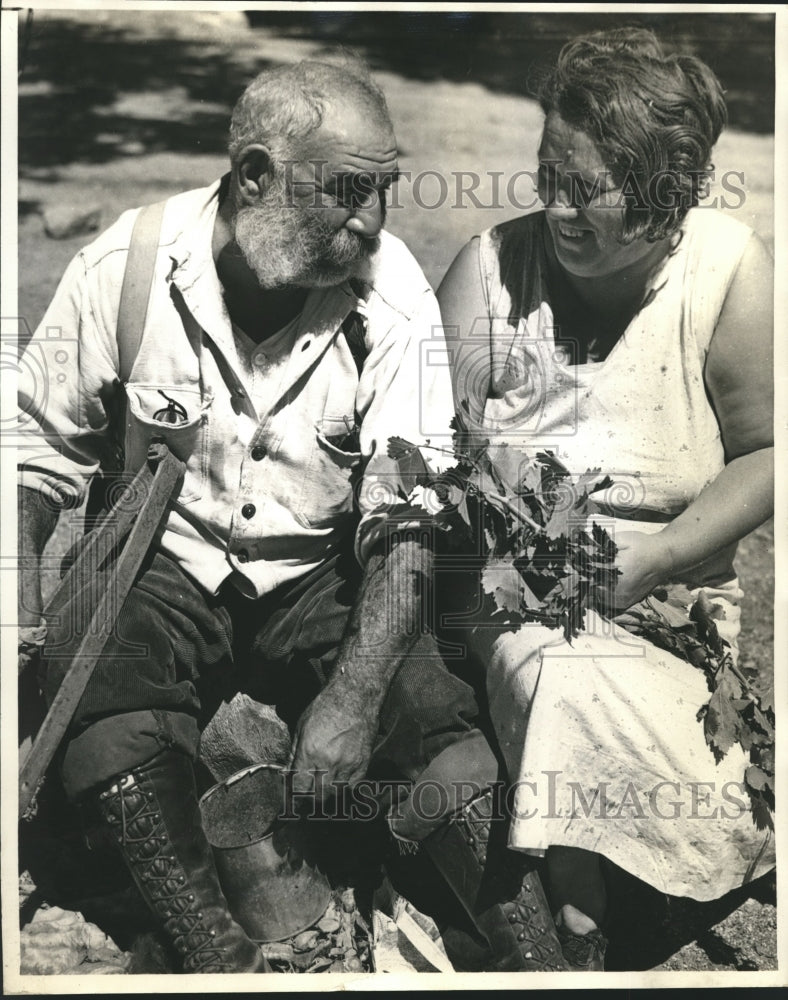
[(367, 218)]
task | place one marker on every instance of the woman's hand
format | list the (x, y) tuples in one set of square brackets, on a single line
[(644, 561)]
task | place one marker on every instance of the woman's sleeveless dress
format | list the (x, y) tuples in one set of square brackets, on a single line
[(601, 736)]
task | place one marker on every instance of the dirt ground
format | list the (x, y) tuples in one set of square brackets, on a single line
[(121, 108)]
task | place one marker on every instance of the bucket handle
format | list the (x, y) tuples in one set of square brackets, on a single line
[(228, 782)]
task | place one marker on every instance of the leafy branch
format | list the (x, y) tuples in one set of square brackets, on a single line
[(528, 517)]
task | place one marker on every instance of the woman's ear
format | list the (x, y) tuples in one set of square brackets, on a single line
[(254, 172)]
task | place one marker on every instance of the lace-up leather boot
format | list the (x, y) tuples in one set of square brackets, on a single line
[(154, 814), (499, 891), (583, 952)]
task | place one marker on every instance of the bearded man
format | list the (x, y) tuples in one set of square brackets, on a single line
[(283, 344)]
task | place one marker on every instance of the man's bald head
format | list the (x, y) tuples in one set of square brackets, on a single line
[(281, 107)]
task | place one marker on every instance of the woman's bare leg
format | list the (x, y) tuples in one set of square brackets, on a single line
[(577, 888)]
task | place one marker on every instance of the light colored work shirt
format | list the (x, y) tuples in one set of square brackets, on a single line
[(267, 494)]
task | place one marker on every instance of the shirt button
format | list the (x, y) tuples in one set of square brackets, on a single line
[(260, 360), (248, 510), (259, 452), (242, 556)]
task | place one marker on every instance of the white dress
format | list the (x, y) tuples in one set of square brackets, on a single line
[(600, 735)]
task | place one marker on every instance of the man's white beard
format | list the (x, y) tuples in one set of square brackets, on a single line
[(285, 244)]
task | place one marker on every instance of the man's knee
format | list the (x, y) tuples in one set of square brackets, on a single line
[(426, 709), (115, 745)]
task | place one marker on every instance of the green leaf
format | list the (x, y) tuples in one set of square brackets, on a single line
[(761, 814), (412, 470), (510, 592), (764, 721), (532, 478), (398, 447), (553, 464), (756, 778), (510, 465), (558, 524), (763, 687), (672, 615), (722, 724)]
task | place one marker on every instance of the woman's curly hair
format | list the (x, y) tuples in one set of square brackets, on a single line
[(654, 118)]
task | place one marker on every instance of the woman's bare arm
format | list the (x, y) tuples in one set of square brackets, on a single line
[(466, 324), (739, 379)]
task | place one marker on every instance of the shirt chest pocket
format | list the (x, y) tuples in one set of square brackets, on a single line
[(331, 475), (187, 439)]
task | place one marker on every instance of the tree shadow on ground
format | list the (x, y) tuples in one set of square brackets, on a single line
[(75, 73), (507, 51), (647, 927)]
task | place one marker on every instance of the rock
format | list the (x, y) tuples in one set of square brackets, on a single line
[(328, 924), (241, 733), (64, 221), (60, 941), (131, 147), (305, 941)]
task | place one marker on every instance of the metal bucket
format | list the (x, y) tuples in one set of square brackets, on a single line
[(266, 868)]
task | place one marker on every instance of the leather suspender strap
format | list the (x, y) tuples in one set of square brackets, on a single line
[(137, 282), (132, 310)]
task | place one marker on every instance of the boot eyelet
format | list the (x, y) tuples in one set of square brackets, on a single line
[(190, 897), (529, 954), (521, 937)]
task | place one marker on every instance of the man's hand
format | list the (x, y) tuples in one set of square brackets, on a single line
[(36, 523), (337, 731), (333, 737)]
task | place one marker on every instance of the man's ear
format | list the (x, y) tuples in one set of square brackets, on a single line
[(255, 171)]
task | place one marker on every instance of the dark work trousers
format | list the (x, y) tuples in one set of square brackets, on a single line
[(176, 652)]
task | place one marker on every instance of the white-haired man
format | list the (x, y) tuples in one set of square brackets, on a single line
[(283, 346)]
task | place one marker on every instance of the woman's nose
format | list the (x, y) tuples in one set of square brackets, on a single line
[(561, 204)]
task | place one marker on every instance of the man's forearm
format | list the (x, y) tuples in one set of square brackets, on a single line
[(37, 521), (386, 622)]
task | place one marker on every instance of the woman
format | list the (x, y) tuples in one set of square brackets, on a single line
[(627, 327)]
